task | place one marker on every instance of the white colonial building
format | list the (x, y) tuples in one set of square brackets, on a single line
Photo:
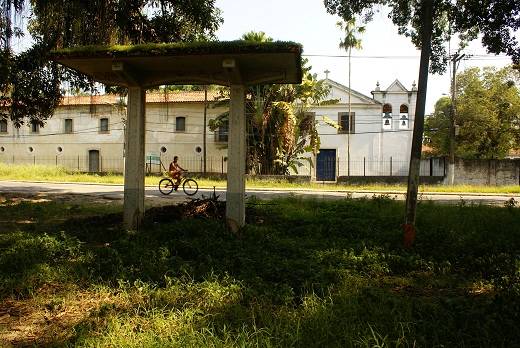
[(87, 133), (375, 135)]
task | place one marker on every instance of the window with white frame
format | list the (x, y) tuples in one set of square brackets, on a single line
[(3, 126), (35, 128), (403, 117)]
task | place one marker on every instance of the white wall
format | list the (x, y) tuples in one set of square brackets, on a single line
[(53, 145)]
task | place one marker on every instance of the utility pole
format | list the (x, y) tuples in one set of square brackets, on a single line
[(349, 113), (451, 164)]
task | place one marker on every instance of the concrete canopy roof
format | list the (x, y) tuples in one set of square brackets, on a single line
[(152, 65)]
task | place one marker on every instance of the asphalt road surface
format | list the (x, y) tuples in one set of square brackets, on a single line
[(154, 197)]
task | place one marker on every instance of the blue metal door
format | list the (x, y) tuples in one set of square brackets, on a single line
[(326, 165)]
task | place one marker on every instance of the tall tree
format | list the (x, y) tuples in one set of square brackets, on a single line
[(488, 109), (30, 86), (349, 42), (429, 24)]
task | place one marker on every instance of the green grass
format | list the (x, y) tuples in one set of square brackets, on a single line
[(304, 273), (48, 173)]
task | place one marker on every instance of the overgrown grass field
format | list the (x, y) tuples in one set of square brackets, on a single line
[(57, 173), (303, 273)]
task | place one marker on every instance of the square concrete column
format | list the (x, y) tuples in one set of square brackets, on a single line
[(236, 173), (133, 206)]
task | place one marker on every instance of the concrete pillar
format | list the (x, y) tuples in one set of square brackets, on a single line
[(236, 173), (133, 206)]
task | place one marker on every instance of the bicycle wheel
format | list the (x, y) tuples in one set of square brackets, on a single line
[(190, 187), (166, 186)]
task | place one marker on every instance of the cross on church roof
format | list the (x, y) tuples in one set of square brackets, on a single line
[(327, 73)]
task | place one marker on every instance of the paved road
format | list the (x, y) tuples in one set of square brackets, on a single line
[(153, 196)]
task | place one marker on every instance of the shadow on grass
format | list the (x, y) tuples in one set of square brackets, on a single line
[(304, 272)]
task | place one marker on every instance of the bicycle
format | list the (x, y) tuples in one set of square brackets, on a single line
[(189, 186)]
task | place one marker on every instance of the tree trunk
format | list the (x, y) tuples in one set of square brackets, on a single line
[(415, 156)]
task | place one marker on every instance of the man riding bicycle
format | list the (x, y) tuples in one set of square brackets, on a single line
[(175, 171)]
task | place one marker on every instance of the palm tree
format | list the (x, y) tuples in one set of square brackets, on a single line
[(256, 36), (280, 128), (347, 43)]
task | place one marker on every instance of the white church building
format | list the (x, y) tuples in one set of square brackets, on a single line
[(87, 133), (375, 135)]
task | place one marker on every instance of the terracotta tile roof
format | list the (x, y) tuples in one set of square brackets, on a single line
[(172, 97)]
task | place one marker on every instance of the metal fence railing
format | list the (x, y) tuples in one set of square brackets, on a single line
[(359, 166), (388, 166), (115, 164)]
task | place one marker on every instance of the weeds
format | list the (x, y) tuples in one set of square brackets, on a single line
[(305, 273)]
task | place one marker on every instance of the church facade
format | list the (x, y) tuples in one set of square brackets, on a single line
[(87, 133), (375, 135)]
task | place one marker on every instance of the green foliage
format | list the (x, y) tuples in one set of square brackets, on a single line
[(305, 272), (495, 20), (31, 85), (350, 40), (488, 105), (437, 129), (197, 47)]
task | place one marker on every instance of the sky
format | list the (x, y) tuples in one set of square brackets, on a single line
[(385, 56)]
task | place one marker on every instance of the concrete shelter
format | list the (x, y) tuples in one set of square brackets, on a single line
[(236, 64)]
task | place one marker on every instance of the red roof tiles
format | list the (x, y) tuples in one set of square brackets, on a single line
[(154, 97)]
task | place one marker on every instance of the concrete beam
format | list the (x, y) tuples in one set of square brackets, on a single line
[(232, 71), (133, 206)]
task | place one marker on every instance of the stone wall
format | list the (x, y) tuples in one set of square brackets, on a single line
[(503, 172)]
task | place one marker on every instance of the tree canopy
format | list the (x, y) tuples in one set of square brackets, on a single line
[(495, 20), (31, 86), (488, 115)]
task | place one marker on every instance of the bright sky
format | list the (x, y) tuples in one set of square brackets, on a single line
[(385, 56)]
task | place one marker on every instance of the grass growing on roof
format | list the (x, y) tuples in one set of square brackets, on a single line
[(186, 48)]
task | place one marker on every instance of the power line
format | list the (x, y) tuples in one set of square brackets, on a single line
[(469, 57), (364, 57)]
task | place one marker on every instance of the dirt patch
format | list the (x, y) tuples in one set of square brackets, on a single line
[(13, 198), (49, 318)]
